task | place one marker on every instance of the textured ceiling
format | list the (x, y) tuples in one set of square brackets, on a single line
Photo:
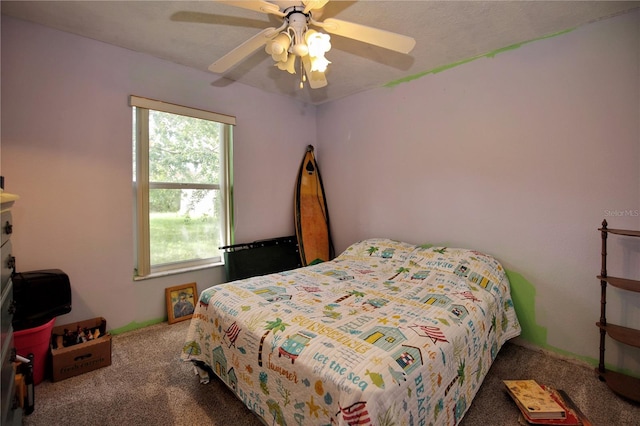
[(196, 33)]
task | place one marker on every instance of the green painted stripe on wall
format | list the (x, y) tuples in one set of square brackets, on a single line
[(136, 325), (523, 294), (464, 61)]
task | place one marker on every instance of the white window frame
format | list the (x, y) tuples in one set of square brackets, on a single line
[(143, 267)]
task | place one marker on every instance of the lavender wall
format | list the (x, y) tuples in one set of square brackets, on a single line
[(66, 150), (520, 155)]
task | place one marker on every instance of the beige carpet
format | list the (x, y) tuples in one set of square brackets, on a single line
[(147, 384)]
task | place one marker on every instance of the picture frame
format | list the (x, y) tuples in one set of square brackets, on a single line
[(181, 301)]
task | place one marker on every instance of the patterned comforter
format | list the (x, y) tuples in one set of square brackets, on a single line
[(386, 333)]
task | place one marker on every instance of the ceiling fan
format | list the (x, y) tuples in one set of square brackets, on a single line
[(294, 39)]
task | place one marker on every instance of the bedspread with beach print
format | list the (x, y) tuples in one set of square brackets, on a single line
[(387, 333)]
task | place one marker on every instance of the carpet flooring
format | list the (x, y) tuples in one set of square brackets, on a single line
[(147, 384)]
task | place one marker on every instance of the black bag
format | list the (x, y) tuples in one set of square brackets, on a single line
[(40, 296)]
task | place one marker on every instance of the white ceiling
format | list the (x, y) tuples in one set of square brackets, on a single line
[(196, 33)]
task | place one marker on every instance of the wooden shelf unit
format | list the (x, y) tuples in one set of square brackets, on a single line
[(623, 385)]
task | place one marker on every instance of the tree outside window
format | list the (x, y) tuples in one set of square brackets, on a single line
[(182, 179)]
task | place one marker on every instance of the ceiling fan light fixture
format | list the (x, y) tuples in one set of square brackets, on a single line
[(294, 38), (297, 40), (300, 49), (288, 65), (316, 79), (319, 63), (279, 46), (318, 43)]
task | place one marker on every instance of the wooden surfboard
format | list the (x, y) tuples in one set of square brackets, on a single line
[(311, 213)]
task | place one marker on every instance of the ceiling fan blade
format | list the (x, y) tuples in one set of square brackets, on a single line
[(256, 5), (393, 41), (316, 79), (242, 51), (313, 4)]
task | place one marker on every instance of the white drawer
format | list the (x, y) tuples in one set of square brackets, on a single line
[(6, 225), (6, 264)]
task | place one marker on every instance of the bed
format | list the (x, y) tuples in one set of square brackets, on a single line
[(386, 333)]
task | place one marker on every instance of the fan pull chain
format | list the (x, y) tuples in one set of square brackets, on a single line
[(303, 76)]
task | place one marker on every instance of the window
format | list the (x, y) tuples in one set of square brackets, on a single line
[(182, 180)]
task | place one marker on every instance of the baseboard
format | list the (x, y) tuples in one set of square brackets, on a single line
[(573, 360)]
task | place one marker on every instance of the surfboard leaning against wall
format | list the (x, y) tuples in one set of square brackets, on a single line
[(311, 213)]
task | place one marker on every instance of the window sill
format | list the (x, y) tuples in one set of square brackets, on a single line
[(177, 271)]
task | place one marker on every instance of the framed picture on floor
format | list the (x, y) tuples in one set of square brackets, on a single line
[(181, 302)]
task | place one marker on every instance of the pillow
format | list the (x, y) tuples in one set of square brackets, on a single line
[(380, 247)]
